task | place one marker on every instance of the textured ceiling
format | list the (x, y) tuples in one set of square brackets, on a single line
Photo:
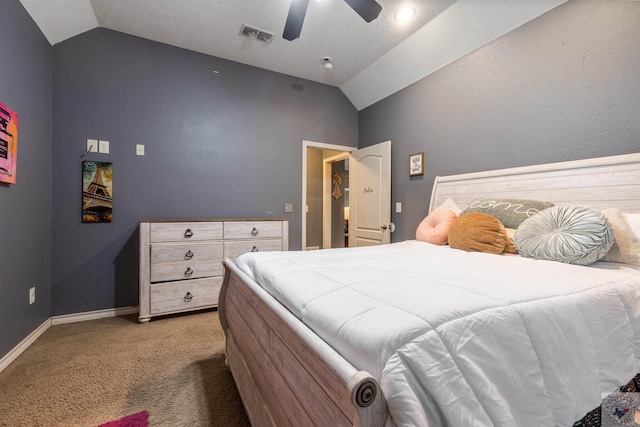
[(370, 60)]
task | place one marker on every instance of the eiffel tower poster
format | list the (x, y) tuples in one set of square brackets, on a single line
[(97, 191)]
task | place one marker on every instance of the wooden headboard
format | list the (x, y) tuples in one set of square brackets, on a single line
[(603, 182)]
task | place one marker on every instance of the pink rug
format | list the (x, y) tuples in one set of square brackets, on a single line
[(141, 419)]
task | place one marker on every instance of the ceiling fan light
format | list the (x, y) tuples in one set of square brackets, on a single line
[(405, 14)]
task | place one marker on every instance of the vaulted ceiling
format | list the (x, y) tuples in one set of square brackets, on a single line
[(370, 60)]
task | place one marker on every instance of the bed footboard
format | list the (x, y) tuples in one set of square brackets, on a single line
[(287, 375)]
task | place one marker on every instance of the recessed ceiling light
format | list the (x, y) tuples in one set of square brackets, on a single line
[(404, 14)]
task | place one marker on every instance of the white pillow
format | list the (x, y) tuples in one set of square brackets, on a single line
[(626, 249), (633, 220), (449, 205)]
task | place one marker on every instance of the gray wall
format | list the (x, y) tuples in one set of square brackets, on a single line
[(25, 207), (565, 86), (217, 145)]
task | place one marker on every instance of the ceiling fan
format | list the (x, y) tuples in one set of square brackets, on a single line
[(367, 9)]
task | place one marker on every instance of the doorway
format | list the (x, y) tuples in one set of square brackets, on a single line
[(369, 205), (316, 190), (335, 201)]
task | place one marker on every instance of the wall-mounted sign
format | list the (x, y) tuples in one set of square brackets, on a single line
[(8, 144), (416, 164)]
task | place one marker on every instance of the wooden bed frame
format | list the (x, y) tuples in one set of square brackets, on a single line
[(288, 376)]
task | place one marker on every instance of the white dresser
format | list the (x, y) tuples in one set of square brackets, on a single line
[(181, 260)]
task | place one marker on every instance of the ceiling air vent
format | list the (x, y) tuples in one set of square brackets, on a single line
[(256, 33)]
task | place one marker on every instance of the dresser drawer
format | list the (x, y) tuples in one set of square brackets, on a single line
[(165, 271), (252, 229), (236, 248), (192, 251), (185, 231), (184, 295)]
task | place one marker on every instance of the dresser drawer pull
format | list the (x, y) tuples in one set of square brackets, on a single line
[(188, 272), (254, 249), (188, 297), (254, 232), (188, 255), (188, 233)]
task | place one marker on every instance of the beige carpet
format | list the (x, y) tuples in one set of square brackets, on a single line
[(87, 373)]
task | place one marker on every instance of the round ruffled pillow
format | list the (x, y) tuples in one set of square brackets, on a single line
[(573, 234), (435, 227), (479, 232)]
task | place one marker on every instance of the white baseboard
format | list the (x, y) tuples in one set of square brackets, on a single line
[(59, 320), (24, 344), (91, 315)]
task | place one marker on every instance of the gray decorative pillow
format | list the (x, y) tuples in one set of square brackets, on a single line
[(510, 212), (573, 234)]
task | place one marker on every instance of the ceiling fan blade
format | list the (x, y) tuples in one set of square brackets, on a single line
[(367, 9), (293, 26)]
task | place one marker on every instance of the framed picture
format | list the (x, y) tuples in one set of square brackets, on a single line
[(8, 144), (416, 164), (97, 191)]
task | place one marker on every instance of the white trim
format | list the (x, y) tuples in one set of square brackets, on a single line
[(59, 320), (92, 315), (321, 146), (24, 344)]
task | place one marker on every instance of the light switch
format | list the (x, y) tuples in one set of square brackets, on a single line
[(288, 207), (398, 207), (92, 145), (139, 150), (103, 147)]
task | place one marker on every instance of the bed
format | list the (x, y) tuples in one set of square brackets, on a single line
[(324, 339)]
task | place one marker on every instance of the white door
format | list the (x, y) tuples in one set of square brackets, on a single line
[(370, 195)]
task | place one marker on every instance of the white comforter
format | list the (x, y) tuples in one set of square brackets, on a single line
[(467, 339)]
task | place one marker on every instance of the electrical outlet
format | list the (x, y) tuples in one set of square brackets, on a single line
[(92, 145), (32, 295), (139, 150), (288, 207)]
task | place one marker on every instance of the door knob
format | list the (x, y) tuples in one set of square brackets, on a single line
[(383, 227)]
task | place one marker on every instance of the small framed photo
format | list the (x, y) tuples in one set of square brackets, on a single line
[(416, 164)]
